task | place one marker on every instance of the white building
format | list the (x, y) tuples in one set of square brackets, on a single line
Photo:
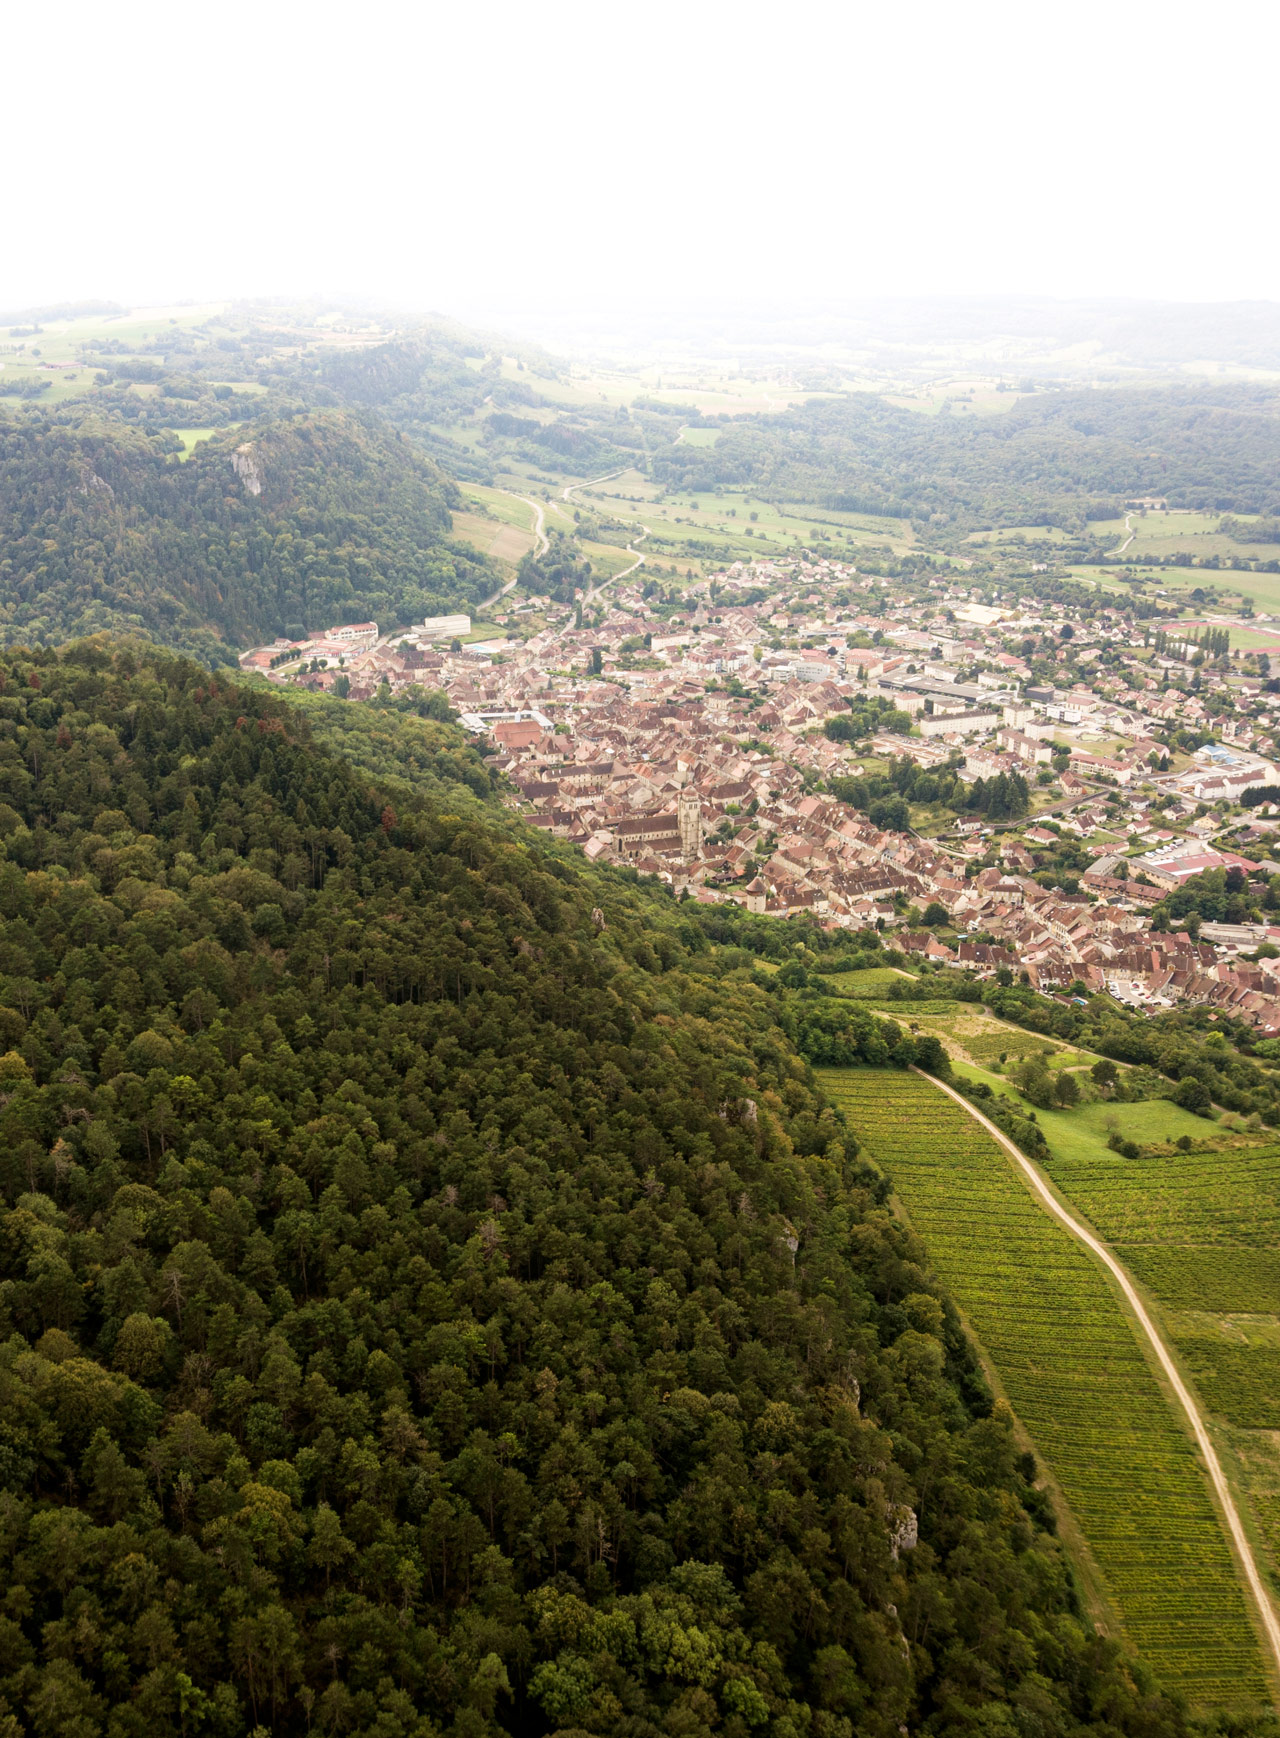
[(445, 627)]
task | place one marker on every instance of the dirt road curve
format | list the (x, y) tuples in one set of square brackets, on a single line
[(588, 482), (539, 520), (1128, 525), (1245, 1555), (622, 574), (543, 544)]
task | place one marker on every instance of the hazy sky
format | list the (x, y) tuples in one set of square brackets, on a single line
[(462, 158)]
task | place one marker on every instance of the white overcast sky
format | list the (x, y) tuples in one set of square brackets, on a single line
[(462, 158)]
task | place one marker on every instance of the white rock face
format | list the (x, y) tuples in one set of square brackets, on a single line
[(904, 1529), (244, 462)]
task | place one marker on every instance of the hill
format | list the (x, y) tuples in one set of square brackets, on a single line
[(1056, 457), (291, 523), (437, 1299)]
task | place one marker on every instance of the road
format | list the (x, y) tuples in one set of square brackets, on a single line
[(1040, 1188), (1028, 820), (539, 520), (1128, 525), (631, 549), (543, 543), (622, 572), (589, 482)]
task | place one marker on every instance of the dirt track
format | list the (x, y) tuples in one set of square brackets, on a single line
[(1244, 1553)]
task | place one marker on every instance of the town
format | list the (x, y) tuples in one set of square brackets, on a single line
[(1015, 786)]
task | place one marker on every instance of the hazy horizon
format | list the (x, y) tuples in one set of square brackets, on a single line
[(697, 153)]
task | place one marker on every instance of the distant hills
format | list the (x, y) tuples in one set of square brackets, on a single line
[(324, 453), (1203, 444)]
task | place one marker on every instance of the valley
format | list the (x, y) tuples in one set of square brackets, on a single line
[(498, 852)]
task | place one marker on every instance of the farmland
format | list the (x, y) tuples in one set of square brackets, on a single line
[(1077, 1376), (867, 985), (1201, 1231), (1215, 1197)]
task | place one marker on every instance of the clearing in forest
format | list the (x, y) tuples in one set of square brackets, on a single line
[(1077, 1375)]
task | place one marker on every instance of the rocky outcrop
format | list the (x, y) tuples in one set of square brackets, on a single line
[(246, 465)]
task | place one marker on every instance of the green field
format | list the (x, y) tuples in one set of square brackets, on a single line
[(1229, 1197), (872, 984), (1201, 1232), (739, 524), (1078, 1378), (190, 436)]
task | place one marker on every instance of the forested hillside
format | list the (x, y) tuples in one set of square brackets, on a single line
[(295, 523), (1053, 458), (437, 1299), (433, 378)]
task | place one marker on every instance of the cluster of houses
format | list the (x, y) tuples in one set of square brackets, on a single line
[(689, 743)]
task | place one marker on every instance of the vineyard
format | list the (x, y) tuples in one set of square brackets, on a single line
[(1221, 1280), (1078, 1379), (867, 985), (1006, 1043), (1218, 1197), (1201, 1231)]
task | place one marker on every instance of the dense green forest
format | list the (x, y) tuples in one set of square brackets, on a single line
[(1058, 458), (299, 523), (437, 1299)]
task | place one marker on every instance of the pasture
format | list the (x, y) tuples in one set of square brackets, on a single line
[(191, 437), (1077, 1375)]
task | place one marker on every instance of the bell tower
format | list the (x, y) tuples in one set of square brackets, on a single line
[(689, 815)]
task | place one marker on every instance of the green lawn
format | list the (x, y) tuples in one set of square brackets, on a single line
[(1078, 1378), (1081, 1134)]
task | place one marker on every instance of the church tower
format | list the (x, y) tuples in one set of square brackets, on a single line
[(689, 814)]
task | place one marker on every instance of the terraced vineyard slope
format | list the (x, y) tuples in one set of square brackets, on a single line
[(1201, 1231), (1077, 1377)]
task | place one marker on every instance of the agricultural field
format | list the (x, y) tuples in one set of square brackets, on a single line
[(866, 985), (740, 525), (1261, 590), (1197, 1198), (1200, 1231), (496, 524), (1006, 1044), (1179, 532), (1077, 1375)]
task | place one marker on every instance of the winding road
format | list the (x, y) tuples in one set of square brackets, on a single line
[(622, 571), (631, 549), (542, 541), (1128, 525), (588, 481), (539, 520), (1244, 1553)]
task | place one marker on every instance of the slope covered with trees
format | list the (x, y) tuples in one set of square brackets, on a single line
[(293, 524), (1053, 458), (436, 1298)]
